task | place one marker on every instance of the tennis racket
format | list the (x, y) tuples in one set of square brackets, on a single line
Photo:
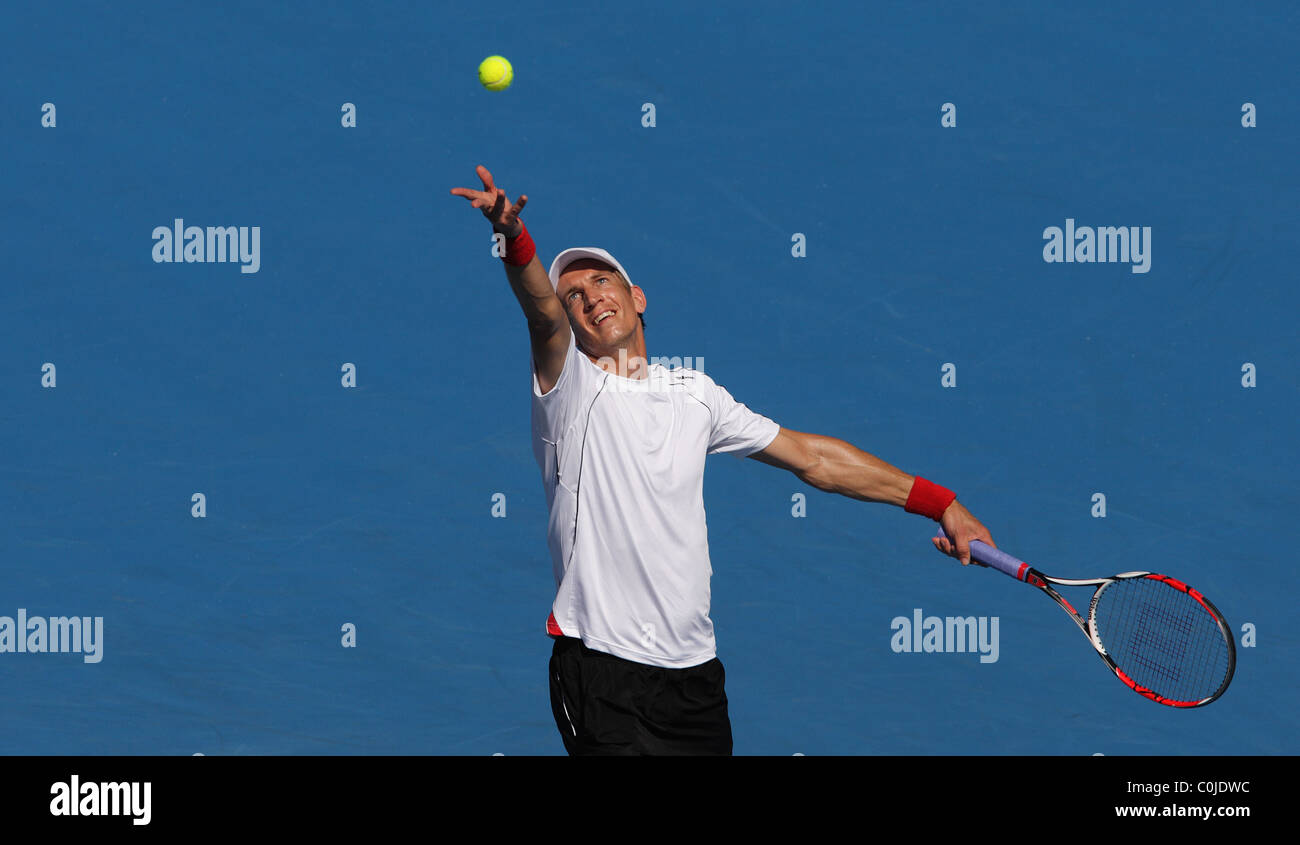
[(1162, 638)]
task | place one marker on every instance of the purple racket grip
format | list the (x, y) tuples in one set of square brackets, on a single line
[(981, 552)]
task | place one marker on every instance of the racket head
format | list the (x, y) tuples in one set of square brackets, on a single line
[(1164, 639)]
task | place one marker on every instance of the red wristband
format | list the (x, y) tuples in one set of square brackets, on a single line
[(928, 499), (520, 249)]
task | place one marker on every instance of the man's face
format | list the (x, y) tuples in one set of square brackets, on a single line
[(602, 309)]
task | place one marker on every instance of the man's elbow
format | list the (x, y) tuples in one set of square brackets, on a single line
[(542, 326), (814, 469)]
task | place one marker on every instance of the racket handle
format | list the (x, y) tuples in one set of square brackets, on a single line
[(984, 554)]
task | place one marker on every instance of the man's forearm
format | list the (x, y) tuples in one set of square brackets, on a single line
[(845, 469), (532, 287)]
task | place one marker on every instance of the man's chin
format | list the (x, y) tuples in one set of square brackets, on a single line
[(596, 346), (605, 347), (605, 341)]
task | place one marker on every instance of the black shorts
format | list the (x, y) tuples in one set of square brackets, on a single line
[(607, 705)]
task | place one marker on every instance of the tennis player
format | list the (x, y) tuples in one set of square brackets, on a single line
[(621, 447)]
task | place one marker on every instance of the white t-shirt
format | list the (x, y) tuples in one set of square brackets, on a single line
[(622, 462)]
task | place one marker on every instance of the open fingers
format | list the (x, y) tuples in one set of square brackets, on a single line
[(489, 188), (478, 199), (489, 202)]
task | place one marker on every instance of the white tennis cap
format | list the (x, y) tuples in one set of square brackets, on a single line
[(564, 259)]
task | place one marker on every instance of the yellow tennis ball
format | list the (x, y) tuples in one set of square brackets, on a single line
[(495, 73)]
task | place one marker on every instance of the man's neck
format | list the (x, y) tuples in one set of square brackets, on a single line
[(629, 364)]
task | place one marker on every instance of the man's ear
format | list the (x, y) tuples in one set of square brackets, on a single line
[(638, 296)]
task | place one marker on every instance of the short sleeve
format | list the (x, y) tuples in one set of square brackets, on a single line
[(735, 428)]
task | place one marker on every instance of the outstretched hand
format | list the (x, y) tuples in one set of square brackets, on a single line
[(959, 527), (494, 204)]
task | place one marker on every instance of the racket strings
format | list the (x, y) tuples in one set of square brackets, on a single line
[(1162, 638)]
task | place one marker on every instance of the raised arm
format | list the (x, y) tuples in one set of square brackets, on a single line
[(836, 466), (548, 326)]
